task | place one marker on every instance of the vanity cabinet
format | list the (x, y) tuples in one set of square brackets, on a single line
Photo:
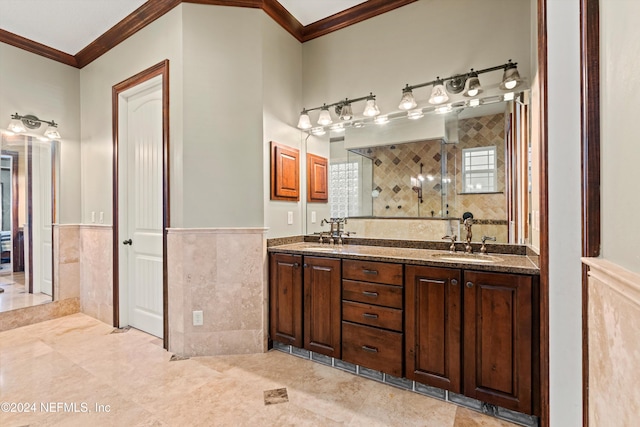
[(372, 315), (433, 313), (322, 332), (498, 339), (285, 299)]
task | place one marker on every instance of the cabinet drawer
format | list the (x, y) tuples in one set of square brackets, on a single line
[(372, 348), (372, 293), (372, 315), (372, 271)]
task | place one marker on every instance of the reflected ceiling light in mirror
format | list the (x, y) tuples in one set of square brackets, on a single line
[(509, 96), (324, 118), (318, 131), (444, 109), (304, 122), (511, 78), (472, 87), (438, 93), (407, 102), (358, 124), (474, 102), (337, 128), (381, 120), (21, 124), (415, 114)]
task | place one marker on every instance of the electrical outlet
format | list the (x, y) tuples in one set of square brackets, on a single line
[(101, 217), (93, 217), (198, 318), (313, 217), (290, 217)]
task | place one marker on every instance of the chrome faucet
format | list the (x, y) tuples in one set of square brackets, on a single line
[(336, 229), (468, 222)]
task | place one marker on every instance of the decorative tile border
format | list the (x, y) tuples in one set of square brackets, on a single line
[(406, 384)]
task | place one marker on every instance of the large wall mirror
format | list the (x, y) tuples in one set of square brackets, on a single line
[(413, 177), (27, 192)]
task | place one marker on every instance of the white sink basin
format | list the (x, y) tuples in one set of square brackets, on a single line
[(474, 258)]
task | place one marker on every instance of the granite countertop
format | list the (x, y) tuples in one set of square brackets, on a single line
[(503, 263)]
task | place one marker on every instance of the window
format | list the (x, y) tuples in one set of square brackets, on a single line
[(479, 174), (343, 189)]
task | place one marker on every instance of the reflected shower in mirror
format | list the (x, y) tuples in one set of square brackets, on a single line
[(428, 171), (27, 182)]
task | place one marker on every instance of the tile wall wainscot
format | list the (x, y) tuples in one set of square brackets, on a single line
[(96, 272), (614, 344), (423, 228), (66, 261), (223, 272)]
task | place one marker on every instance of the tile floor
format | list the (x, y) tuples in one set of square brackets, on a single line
[(127, 379), (15, 296)]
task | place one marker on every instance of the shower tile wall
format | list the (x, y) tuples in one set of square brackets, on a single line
[(392, 172), (478, 132)]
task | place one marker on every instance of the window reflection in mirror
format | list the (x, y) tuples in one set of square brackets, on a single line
[(429, 172), (27, 168)]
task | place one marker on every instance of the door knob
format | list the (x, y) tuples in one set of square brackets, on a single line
[(128, 242)]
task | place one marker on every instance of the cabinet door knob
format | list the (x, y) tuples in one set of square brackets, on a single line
[(469, 284), (454, 282), (296, 265), (305, 265)]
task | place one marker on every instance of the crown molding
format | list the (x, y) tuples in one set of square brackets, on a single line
[(37, 48), (154, 9)]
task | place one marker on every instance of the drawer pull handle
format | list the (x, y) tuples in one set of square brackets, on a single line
[(370, 315), (370, 294), (365, 271), (369, 349)]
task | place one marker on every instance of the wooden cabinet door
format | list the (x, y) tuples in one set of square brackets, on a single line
[(433, 310), (285, 172), (498, 339), (317, 178), (322, 332), (285, 299)]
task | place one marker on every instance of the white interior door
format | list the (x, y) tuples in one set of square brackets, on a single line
[(140, 209), (41, 176)]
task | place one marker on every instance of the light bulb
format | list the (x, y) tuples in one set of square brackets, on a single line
[(371, 108), (438, 94)]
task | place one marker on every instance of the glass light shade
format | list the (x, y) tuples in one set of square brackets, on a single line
[(52, 132), (438, 94), (511, 78), (345, 112), (408, 102), (304, 122), (16, 126), (371, 108), (472, 87), (325, 117)]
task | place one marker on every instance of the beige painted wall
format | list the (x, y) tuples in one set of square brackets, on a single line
[(282, 89), (159, 41), (620, 54), (31, 84)]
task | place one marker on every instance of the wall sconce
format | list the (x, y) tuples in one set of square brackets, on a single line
[(342, 109), (20, 124), (468, 84)]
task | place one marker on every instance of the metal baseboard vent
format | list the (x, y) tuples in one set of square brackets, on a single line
[(405, 384)]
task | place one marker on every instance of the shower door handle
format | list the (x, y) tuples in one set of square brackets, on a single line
[(128, 242)]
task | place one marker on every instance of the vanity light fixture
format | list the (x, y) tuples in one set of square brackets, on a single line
[(20, 124), (468, 84), (343, 110), (438, 93)]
